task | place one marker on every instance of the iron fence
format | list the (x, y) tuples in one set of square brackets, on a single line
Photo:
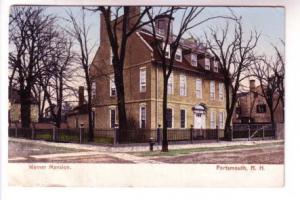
[(253, 131), (114, 136)]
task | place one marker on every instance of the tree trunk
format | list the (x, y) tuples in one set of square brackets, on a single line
[(59, 101), (165, 100), (121, 98), (25, 108)]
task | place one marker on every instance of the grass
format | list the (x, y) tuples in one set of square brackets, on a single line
[(73, 138), (176, 152)]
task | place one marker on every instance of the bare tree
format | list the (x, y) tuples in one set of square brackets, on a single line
[(80, 32), (279, 72), (55, 80), (189, 20), (264, 70), (235, 53), (31, 33)]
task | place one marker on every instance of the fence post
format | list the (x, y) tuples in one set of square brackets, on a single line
[(217, 129), (116, 138), (32, 133), (158, 134), (263, 136), (249, 133), (16, 132), (231, 131), (54, 134), (191, 133), (80, 133)]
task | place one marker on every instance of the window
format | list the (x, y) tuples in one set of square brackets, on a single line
[(216, 66), (182, 83), (261, 108), (167, 53), (221, 91), (198, 88), (207, 63), (169, 118), (194, 59), (111, 55), (178, 54), (93, 89), (112, 86), (161, 25), (221, 120), (182, 118), (212, 90), (170, 84), (142, 79), (142, 116), (212, 119), (112, 117)]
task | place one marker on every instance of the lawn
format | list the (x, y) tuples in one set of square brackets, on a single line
[(176, 152)]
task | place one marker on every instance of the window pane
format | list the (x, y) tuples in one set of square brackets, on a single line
[(142, 117), (143, 80), (212, 90), (182, 118), (112, 118), (199, 88), (182, 85)]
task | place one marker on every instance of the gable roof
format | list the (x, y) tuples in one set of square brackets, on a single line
[(185, 65)]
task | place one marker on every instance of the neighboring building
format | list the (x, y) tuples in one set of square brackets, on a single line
[(14, 112), (196, 90), (66, 108), (79, 114), (252, 107)]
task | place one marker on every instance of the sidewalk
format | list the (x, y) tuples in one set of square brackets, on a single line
[(143, 147)]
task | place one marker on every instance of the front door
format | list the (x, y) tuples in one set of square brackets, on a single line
[(199, 121)]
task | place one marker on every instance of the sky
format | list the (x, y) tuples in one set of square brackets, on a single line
[(269, 21)]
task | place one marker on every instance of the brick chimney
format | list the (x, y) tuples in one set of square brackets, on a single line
[(252, 85), (162, 23), (80, 95)]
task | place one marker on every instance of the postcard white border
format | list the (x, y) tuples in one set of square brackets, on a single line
[(292, 106)]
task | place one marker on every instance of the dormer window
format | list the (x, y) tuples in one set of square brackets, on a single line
[(167, 53), (216, 66), (194, 59), (207, 63), (178, 55)]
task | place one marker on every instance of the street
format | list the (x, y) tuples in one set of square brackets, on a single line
[(33, 151)]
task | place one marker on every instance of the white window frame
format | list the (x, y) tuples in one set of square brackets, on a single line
[(112, 85), (140, 118), (93, 89), (216, 66), (199, 88), (182, 85), (221, 91), (212, 119), (212, 90), (207, 63), (194, 61), (172, 117), (171, 84), (178, 53), (143, 79), (221, 120), (110, 112), (185, 118), (111, 55), (167, 50)]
